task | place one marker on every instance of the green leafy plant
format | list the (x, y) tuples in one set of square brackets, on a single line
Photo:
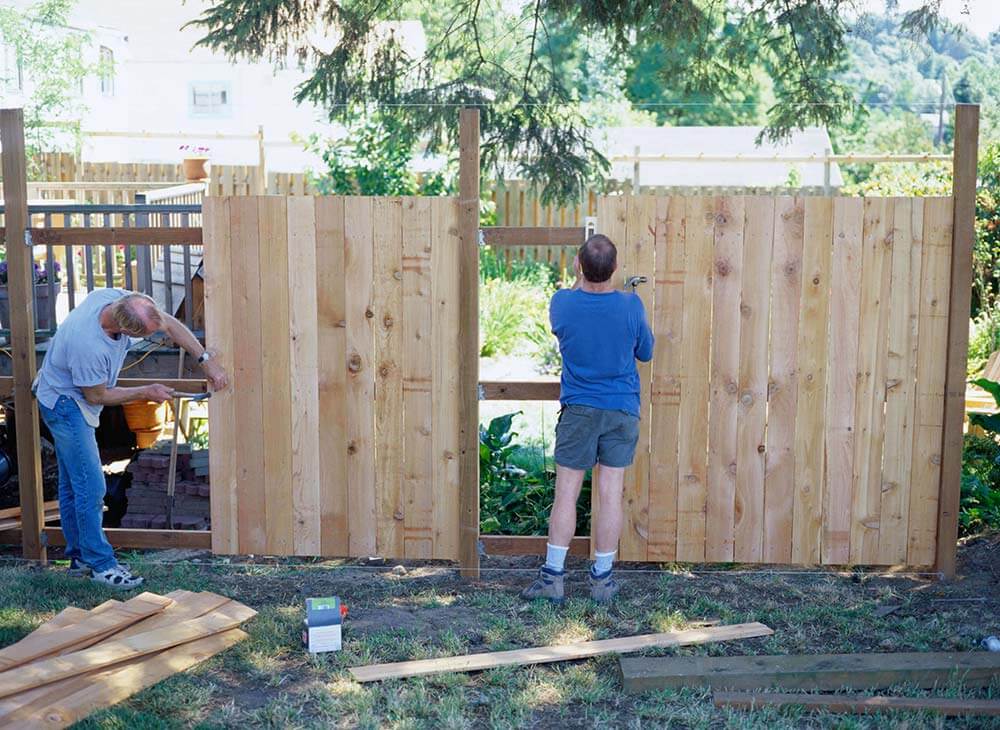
[(511, 316), (980, 500)]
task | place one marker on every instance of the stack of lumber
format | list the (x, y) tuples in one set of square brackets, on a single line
[(10, 518), (83, 661), (147, 497)]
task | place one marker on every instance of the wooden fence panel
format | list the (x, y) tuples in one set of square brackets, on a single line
[(340, 435), (796, 394)]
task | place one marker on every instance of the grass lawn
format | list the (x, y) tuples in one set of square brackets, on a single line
[(425, 610)]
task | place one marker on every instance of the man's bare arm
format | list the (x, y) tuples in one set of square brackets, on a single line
[(101, 395)]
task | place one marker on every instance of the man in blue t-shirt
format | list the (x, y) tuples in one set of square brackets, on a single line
[(602, 331)]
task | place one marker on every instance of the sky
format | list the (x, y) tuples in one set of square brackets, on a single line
[(982, 18)]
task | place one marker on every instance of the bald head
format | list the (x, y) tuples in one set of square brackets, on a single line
[(137, 315), (598, 258)]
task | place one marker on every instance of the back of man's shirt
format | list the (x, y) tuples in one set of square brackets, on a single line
[(600, 338)]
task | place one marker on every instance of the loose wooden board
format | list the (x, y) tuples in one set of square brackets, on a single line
[(546, 654), (812, 672), (857, 703)]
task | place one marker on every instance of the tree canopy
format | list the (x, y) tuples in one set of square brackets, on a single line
[(526, 65)]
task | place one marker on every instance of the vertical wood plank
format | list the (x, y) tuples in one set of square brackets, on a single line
[(904, 308), (359, 274), (275, 367), (641, 244), (692, 445), (418, 484), (304, 374), (755, 304), (446, 365), (219, 336), (876, 270), (388, 305), (725, 372), (331, 321), (467, 257), (925, 473), (775, 512), (665, 398), (810, 463), (248, 374), (964, 194), (842, 378)]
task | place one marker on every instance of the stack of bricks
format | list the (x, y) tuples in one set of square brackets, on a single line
[(147, 497)]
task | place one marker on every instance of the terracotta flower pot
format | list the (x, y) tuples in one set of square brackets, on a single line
[(146, 420), (194, 168)]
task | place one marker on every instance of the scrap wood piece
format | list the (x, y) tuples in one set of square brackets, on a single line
[(826, 672), (545, 654), (858, 704), (34, 647), (109, 686), (115, 651)]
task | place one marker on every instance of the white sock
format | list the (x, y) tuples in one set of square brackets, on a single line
[(555, 557), (602, 562)]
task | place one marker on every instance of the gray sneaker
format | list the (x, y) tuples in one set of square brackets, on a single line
[(603, 588), (78, 568), (548, 585)]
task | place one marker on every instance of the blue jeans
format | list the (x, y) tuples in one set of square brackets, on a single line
[(81, 484)]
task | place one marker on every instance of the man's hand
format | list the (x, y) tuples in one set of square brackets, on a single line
[(158, 392), (215, 373)]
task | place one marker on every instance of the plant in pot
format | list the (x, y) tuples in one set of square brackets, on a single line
[(194, 161), (43, 309)]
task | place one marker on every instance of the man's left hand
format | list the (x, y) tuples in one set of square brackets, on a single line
[(215, 374)]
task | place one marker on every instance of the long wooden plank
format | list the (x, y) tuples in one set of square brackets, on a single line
[(755, 309), (810, 461), (826, 672), (692, 446), (247, 372), (533, 236), (304, 375), (925, 471), (641, 244), (110, 236), (856, 704), (775, 512), (220, 336), (665, 395), (110, 686), (418, 422), (15, 512), (331, 321), (388, 308), (842, 378), (529, 545), (520, 389), (115, 651), (275, 332), (446, 381), (869, 432), (547, 654), (904, 307), (960, 293), (115, 618), (720, 534), (359, 275)]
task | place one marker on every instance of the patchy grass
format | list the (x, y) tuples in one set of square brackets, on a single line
[(426, 611)]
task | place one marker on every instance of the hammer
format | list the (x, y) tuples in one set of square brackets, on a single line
[(634, 281)]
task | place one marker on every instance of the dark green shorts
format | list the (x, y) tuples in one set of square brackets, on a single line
[(586, 436)]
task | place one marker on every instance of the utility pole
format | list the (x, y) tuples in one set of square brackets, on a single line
[(939, 138)]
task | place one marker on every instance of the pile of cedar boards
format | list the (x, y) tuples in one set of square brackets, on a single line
[(83, 661)]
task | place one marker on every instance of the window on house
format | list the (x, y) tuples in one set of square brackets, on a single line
[(210, 99), (107, 69)]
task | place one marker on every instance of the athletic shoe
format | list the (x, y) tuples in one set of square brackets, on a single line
[(548, 585), (119, 577), (78, 568), (603, 587)]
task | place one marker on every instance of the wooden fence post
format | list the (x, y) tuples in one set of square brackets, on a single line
[(20, 280), (468, 321), (963, 238)]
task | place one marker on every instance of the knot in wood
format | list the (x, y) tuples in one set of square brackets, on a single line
[(722, 267), (342, 323), (397, 275), (384, 371), (691, 478), (387, 322), (791, 268), (720, 219), (731, 387), (936, 459), (747, 398), (449, 455), (760, 448), (398, 515), (746, 310), (352, 448), (369, 313), (354, 363), (815, 281)]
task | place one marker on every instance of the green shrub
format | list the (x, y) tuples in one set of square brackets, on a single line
[(980, 500), (984, 338), (512, 316)]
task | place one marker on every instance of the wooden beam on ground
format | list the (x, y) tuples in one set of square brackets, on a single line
[(468, 338), (137, 539), (520, 389), (529, 545), (109, 236), (547, 654), (498, 236), (856, 704), (20, 288), (959, 310), (826, 672)]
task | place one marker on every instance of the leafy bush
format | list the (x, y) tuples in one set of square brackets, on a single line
[(984, 338), (516, 486), (980, 500), (513, 317)]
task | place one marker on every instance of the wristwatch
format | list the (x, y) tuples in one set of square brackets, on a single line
[(204, 357)]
